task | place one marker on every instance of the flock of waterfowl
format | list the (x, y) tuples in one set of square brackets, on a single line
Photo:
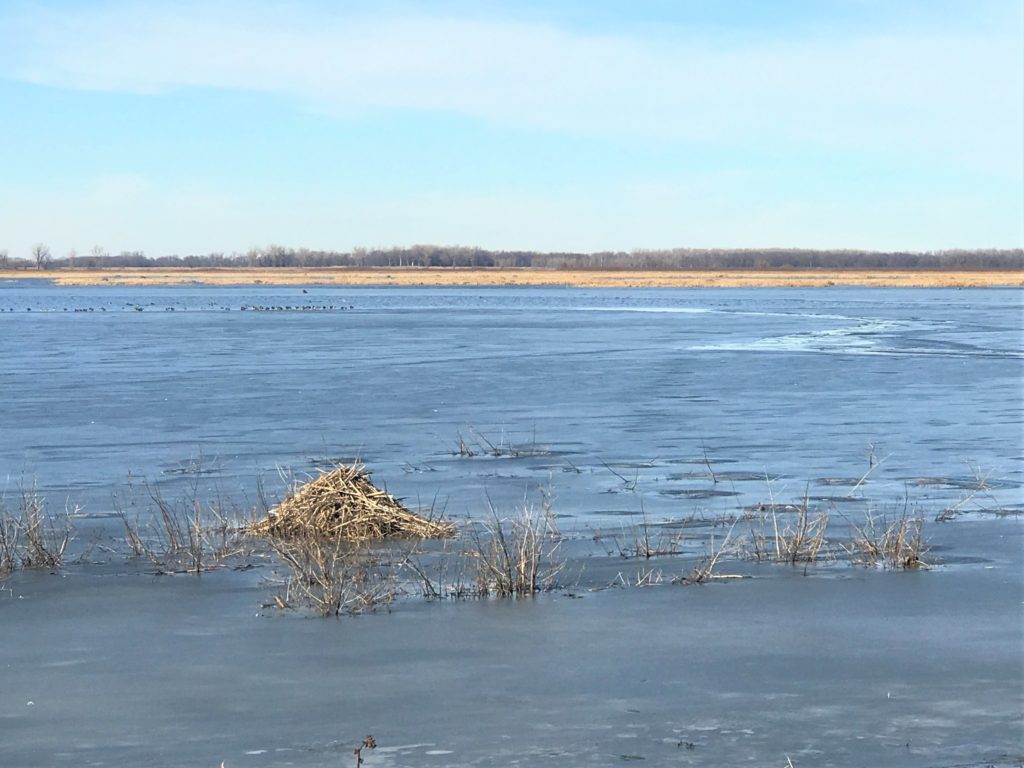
[(152, 307), (302, 308)]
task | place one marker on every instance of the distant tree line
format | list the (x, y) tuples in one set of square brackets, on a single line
[(40, 258)]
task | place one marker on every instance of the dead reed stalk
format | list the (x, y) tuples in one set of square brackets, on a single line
[(31, 538), (443, 575), (980, 485), (647, 543), (10, 540), (333, 576), (704, 571), (517, 557), (191, 534), (798, 539), (803, 537), (481, 445), (368, 743), (896, 543)]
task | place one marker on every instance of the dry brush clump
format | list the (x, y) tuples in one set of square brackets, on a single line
[(802, 538), (190, 534), (29, 538), (793, 533), (896, 542), (517, 556), (332, 577)]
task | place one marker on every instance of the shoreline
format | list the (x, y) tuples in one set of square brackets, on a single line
[(455, 277)]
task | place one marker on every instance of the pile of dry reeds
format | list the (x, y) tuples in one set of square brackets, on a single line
[(344, 504)]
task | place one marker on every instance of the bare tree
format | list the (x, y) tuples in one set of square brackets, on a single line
[(467, 257), (4, 261), (41, 253), (72, 257)]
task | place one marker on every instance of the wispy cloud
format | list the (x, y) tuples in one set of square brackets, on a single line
[(954, 96), (886, 135)]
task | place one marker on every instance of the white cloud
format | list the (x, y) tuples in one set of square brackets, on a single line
[(955, 98), (907, 100)]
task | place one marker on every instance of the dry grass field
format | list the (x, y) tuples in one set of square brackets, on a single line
[(418, 276)]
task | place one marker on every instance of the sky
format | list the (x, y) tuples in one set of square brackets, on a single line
[(553, 125)]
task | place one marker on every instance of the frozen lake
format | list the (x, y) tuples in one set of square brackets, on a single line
[(800, 384), (673, 402)]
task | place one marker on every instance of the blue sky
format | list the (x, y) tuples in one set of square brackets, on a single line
[(182, 127)]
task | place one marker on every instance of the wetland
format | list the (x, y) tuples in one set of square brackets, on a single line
[(655, 428)]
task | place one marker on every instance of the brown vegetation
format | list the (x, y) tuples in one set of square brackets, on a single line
[(796, 537), (343, 504), (704, 571), (894, 543), (323, 531), (368, 743), (332, 576), (29, 538), (517, 557), (582, 278), (649, 541), (190, 534)]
